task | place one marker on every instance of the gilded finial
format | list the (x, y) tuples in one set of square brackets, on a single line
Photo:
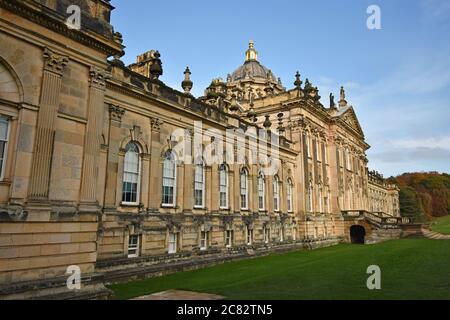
[(251, 54)]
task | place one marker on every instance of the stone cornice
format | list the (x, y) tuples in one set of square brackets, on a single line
[(51, 20)]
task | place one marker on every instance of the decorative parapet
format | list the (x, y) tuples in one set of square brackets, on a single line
[(96, 31)]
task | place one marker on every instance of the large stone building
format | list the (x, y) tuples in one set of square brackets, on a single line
[(106, 168)]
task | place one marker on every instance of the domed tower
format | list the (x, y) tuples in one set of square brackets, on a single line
[(250, 81)]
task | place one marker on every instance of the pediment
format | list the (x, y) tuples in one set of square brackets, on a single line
[(350, 119)]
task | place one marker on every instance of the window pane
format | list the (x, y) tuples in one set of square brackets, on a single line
[(168, 181), (3, 129), (2, 149), (131, 174)]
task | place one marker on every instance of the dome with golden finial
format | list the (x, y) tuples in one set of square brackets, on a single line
[(252, 68)]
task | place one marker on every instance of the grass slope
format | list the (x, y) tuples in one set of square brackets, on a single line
[(442, 225), (411, 269)]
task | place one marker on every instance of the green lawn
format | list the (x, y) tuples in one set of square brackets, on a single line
[(442, 225), (411, 269)]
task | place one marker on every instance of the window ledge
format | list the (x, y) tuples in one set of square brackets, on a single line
[(130, 205)]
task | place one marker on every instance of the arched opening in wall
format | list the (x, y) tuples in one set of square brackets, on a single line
[(357, 234), (10, 87)]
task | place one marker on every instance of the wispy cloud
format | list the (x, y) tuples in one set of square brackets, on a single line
[(404, 113), (426, 143)]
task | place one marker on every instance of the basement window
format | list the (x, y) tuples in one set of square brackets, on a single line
[(133, 246)]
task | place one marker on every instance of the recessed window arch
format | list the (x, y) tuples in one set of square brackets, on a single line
[(131, 174), (244, 189), (223, 186), (276, 193), (169, 181), (290, 194), (199, 184), (261, 191)]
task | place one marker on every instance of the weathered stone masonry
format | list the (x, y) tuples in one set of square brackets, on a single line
[(87, 142)]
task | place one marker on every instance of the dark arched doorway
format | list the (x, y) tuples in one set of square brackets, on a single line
[(357, 234)]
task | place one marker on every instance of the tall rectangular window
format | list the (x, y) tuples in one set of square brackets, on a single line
[(266, 232), (229, 238), (204, 238), (320, 199), (169, 181), (308, 146), (310, 199), (261, 193), (289, 196), (130, 187), (249, 236), (223, 197), (4, 136), (173, 243), (318, 155), (199, 185), (244, 189), (133, 246), (276, 194)]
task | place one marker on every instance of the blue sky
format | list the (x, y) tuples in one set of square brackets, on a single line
[(397, 78)]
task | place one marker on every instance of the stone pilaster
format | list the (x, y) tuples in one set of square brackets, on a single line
[(92, 140), (116, 113), (213, 189), (54, 66), (188, 192), (155, 186)]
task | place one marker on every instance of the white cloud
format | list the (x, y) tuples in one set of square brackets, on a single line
[(432, 142)]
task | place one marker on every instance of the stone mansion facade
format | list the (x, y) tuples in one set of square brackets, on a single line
[(92, 151)]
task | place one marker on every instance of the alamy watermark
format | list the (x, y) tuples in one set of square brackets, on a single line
[(74, 280), (254, 146), (374, 281), (374, 19), (74, 19)]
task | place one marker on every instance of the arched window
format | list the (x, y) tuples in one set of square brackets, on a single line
[(169, 181), (244, 189), (261, 192), (289, 195), (199, 185), (223, 185), (131, 175), (4, 136), (276, 194)]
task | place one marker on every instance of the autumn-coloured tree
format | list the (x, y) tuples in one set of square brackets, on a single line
[(424, 193)]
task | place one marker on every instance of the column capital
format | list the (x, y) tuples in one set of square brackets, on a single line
[(54, 62), (116, 112), (98, 77), (156, 124)]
